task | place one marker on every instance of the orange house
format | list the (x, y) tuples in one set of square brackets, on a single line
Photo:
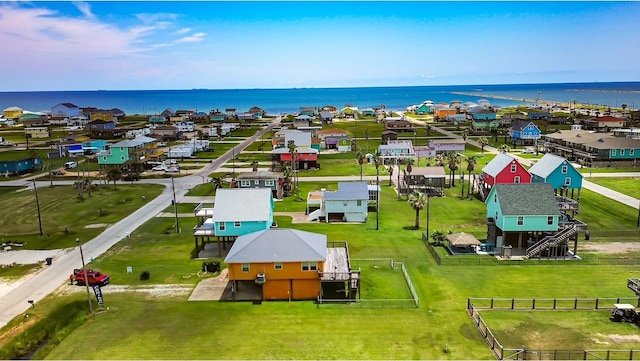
[(441, 113), (287, 264)]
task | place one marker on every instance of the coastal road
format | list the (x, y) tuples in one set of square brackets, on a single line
[(38, 286)]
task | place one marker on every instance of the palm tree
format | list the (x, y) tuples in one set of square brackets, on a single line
[(624, 108), (438, 237), (360, 156), (390, 174), (291, 145), (504, 148), (254, 165), (471, 166), (483, 141), (418, 200), (286, 170), (453, 161), (409, 169), (114, 174), (218, 182)]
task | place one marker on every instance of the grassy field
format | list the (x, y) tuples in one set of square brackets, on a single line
[(64, 215), (139, 325), (628, 186)]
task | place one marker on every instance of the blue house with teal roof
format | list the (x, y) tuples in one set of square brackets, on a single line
[(524, 220)]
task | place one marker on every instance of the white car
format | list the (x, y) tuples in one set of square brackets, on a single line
[(159, 168), (172, 170), (528, 151)]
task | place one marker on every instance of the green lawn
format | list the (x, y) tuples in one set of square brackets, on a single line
[(146, 326), (628, 186), (65, 216)]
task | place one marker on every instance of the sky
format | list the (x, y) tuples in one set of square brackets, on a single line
[(62, 45)]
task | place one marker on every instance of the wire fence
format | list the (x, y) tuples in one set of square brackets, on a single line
[(487, 260), (550, 304), (413, 302)]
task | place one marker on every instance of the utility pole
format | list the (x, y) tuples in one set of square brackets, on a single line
[(86, 278), (35, 190), (175, 205)]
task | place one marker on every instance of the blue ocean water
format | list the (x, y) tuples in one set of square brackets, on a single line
[(274, 101)]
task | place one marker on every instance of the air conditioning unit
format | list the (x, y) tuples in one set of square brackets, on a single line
[(261, 278)]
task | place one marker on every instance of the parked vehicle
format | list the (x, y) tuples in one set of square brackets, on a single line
[(623, 312), (172, 170), (528, 150), (131, 177), (56, 172), (159, 168), (70, 165), (93, 277)]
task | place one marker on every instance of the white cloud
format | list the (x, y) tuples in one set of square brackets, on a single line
[(85, 9), (183, 31), (192, 38)]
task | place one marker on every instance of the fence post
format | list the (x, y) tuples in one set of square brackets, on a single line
[(513, 301), (597, 301), (492, 303), (575, 303), (554, 303), (533, 304)]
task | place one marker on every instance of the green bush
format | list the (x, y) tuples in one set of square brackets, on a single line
[(145, 275)]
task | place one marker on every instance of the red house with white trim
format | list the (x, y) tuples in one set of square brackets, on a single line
[(503, 169)]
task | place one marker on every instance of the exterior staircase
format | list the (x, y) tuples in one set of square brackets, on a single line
[(634, 285), (552, 241), (315, 215)]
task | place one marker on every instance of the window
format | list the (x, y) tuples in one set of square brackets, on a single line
[(245, 267), (237, 224), (245, 183), (520, 220), (564, 169), (621, 151), (277, 266), (269, 183), (513, 168), (309, 266), (614, 151), (516, 179), (567, 181), (359, 202), (550, 220), (256, 182), (222, 226), (631, 152)]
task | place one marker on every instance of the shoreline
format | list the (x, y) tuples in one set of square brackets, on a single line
[(526, 100)]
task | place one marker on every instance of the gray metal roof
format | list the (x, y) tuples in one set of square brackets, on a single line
[(527, 199), (349, 191), (278, 245), (520, 125), (242, 204), (497, 164), (547, 164), (261, 174)]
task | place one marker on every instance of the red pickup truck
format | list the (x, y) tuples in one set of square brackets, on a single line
[(93, 277)]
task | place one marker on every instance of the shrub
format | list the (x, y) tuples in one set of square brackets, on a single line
[(145, 275)]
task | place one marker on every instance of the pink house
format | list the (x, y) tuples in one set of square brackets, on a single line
[(504, 169)]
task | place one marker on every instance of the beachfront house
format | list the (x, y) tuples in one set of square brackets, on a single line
[(563, 178), (139, 149), (289, 264), (262, 179), (19, 163), (502, 169), (524, 220), (603, 124), (65, 110), (524, 133), (348, 204), (593, 149), (396, 150)]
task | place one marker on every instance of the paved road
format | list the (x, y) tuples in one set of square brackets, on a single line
[(14, 302)]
